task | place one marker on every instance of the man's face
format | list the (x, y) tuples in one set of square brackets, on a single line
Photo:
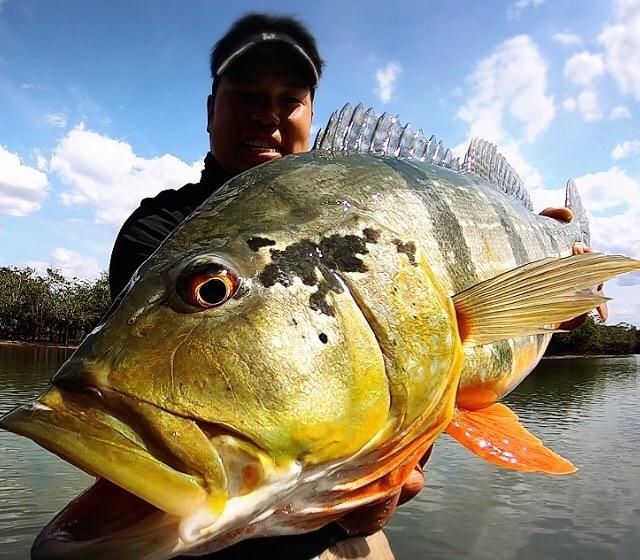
[(261, 111)]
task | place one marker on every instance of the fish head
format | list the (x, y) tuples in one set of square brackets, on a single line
[(234, 376)]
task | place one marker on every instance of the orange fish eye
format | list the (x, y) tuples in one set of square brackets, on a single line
[(208, 286)]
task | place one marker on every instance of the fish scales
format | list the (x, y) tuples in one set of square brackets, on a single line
[(302, 322)]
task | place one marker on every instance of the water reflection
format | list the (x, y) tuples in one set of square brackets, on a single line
[(25, 370), (585, 409), (34, 484)]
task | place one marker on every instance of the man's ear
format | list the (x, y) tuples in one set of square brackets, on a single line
[(211, 101)]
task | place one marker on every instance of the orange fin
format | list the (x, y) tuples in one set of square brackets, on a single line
[(496, 435)]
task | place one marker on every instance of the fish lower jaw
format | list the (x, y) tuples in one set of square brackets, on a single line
[(240, 510)]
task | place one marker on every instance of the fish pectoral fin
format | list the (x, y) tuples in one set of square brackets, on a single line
[(496, 435), (529, 299)]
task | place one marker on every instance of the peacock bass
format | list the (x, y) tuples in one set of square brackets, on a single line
[(296, 345)]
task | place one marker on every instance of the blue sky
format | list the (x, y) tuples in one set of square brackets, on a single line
[(103, 103)]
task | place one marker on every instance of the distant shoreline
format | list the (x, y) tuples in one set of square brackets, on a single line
[(563, 356), (47, 344), (73, 346)]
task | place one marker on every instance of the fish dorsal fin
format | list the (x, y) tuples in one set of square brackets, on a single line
[(527, 299), (496, 435), (356, 129), (574, 203), (484, 160)]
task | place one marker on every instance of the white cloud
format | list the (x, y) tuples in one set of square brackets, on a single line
[(589, 105), (609, 190), (619, 112), (570, 104), (386, 78), (583, 68), (612, 199), (22, 188), (106, 174), (624, 307), (30, 85), (627, 148), (621, 41), (566, 38), (71, 264), (618, 196), (515, 10), (632, 279), (509, 89), (58, 120), (41, 162)]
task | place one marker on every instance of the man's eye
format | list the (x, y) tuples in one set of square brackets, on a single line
[(243, 95), (292, 100)]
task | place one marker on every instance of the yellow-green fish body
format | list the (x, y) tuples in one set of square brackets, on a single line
[(295, 346)]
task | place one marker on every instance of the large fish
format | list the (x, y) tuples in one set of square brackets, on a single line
[(296, 345)]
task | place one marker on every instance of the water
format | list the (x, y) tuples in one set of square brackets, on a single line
[(585, 409)]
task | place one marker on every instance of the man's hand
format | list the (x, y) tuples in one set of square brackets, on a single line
[(369, 519), (566, 215)]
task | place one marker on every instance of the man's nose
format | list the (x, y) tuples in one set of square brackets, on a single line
[(266, 113)]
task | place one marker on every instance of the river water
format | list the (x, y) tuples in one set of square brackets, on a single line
[(585, 409)]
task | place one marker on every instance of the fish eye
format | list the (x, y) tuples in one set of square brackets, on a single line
[(207, 286)]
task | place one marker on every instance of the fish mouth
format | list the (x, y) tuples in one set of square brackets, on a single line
[(103, 521), (162, 485), (88, 431)]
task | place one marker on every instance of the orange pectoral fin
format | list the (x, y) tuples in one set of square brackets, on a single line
[(496, 435)]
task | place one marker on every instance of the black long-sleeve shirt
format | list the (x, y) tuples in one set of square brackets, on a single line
[(155, 219)]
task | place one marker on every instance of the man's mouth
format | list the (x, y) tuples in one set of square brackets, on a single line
[(265, 147)]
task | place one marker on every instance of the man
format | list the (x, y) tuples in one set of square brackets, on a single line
[(265, 70)]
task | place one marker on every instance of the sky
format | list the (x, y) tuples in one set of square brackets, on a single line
[(104, 103)]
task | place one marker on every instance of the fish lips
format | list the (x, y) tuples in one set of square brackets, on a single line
[(159, 498), (81, 430)]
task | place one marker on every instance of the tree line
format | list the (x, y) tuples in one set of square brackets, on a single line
[(49, 309), (594, 337), (53, 309)]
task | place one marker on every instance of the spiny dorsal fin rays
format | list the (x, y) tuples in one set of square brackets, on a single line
[(574, 203), (360, 130), (527, 299), (484, 160)]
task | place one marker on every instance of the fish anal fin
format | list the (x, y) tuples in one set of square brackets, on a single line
[(496, 435), (474, 398)]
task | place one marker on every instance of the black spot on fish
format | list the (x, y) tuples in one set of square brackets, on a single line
[(304, 259), (318, 300), (323, 338), (255, 243), (371, 235), (408, 249)]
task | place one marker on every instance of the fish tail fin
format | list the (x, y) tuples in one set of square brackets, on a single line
[(527, 299), (580, 218)]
